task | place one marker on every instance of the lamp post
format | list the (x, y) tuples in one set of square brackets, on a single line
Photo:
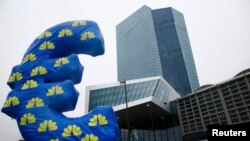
[(126, 101)]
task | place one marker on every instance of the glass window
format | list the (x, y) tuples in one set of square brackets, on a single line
[(230, 106), (216, 97), (209, 99), (214, 116), (204, 109), (203, 106), (242, 80), (201, 97), (238, 100), (233, 88), (193, 129), (242, 109), (210, 104), (207, 122), (239, 104), (187, 102), (243, 114), (186, 130), (219, 105), (235, 120), (232, 83), (224, 90), (232, 111), (242, 84), (220, 109), (228, 98), (200, 128), (205, 113), (244, 88), (235, 91), (181, 104), (223, 119), (248, 102), (211, 107), (234, 116), (215, 120), (226, 93), (121, 98), (191, 117), (188, 106), (138, 92), (196, 112), (247, 97), (217, 102), (224, 86), (229, 102), (244, 118), (212, 111), (202, 101), (184, 119), (208, 96)]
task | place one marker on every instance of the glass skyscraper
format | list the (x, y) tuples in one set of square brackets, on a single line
[(156, 43)]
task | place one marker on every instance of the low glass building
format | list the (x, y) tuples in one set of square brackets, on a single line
[(147, 115)]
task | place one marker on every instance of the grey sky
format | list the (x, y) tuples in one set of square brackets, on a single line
[(219, 33)]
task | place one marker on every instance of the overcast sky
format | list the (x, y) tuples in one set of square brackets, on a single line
[(219, 32)]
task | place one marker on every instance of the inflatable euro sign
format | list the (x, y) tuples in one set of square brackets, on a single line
[(43, 87)]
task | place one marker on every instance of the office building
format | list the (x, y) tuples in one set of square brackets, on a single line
[(224, 103), (149, 115), (156, 43)]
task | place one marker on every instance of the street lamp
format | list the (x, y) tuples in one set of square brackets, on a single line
[(126, 101)]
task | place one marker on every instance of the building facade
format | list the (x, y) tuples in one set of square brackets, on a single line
[(148, 114), (156, 43), (225, 103)]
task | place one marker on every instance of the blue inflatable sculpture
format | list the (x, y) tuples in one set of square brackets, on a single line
[(43, 87)]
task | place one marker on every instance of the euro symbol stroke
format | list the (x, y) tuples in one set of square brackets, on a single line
[(43, 87)]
